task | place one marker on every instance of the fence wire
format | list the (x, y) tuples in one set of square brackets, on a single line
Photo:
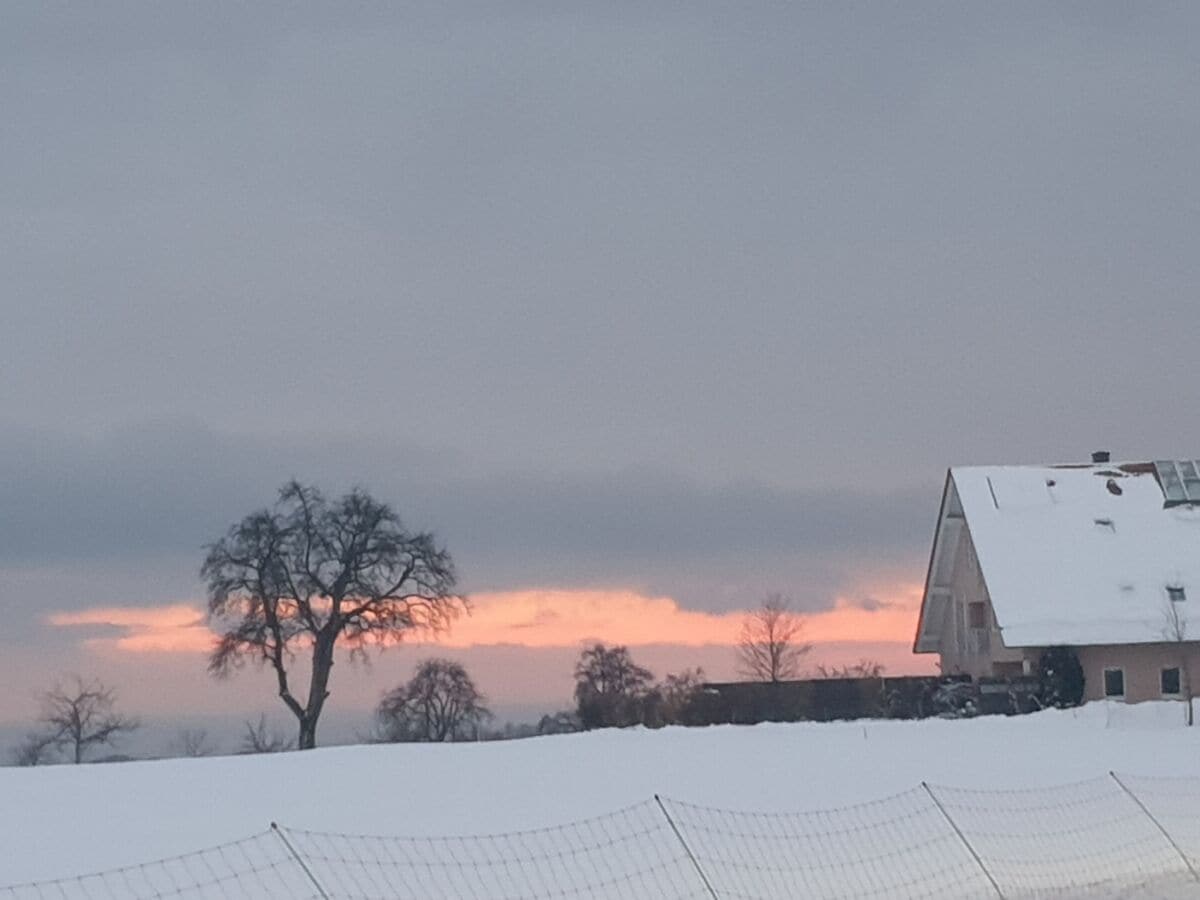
[(630, 853), (900, 847), (1088, 839), (257, 867), (1118, 836), (1174, 803)]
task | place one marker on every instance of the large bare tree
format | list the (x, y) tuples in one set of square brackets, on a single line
[(312, 575), (439, 703), (770, 646), (81, 714)]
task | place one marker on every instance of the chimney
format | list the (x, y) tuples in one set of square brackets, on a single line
[(1101, 456)]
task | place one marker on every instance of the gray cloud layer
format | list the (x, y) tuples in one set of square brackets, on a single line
[(700, 297), (147, 497), (793, 243)]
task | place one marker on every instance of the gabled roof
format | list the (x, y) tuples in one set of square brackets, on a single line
[(1069, 554)]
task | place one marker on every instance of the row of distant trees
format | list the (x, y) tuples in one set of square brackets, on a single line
[(79, 718), (441, 702), (310, 576)]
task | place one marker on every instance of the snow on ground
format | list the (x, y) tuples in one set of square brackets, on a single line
[(64, 820)]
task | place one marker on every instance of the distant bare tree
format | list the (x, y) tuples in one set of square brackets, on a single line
[(315, 575), (34, 750), (611, 690), (439, 703), (864, 668), (677, 692), (261, 739), (80, 714), (1175, 630), (193, 742), (769, 648), (564, 722)]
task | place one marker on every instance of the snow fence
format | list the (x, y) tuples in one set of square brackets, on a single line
[(1116, 836)]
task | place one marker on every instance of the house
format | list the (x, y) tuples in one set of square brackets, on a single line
[(1101, 557)]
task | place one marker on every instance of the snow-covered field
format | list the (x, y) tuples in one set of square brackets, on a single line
[(65, 820)]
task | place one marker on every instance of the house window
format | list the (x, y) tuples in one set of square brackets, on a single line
[(1114, 683), (1008, 669), (977, 614), (1170, 682), (1176, 594)]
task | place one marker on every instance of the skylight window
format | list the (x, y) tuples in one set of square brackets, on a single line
[(1180, 480), (1176, 594)]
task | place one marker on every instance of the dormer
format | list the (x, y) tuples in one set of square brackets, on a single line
[(1179, 480)]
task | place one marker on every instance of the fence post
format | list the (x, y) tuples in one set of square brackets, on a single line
[(1157, 824), (962, 837), (686, 849), (300, 861)]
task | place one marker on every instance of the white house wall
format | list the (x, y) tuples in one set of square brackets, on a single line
[(967, 650)]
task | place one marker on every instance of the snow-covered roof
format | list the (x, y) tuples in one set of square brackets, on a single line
[(1080, 554)]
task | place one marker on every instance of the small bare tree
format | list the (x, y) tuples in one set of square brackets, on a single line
[(864, 668), (193, 742), (312, 575), (1175, 630), (261, 739), (439, 703), (35, 749), (678, 691), (82, 714), (769, 648)]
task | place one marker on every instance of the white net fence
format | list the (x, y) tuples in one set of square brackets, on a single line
[(261, 866), (630, 853), (899, 847), (1090, 839), (1175, 804), (1117, 836)]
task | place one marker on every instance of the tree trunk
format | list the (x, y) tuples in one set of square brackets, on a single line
[(318, 690), (308, 733)]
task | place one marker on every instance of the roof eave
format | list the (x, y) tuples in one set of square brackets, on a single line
[(937, 536)]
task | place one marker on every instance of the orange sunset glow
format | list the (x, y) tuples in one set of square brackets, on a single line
[(550, 618)]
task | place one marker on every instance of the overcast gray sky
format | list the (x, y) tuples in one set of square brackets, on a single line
[(696, 299)]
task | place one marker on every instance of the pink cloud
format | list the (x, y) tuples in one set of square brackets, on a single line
[(177, 628), (520, 645), (536, 619)]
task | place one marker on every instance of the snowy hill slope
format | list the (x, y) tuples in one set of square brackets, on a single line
[(65, 820)]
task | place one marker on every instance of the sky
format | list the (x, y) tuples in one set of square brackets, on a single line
[(645, 309)]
